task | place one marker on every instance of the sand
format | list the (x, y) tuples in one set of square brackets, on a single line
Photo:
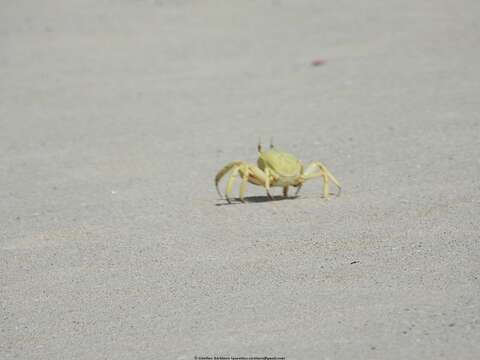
[(116, 115)]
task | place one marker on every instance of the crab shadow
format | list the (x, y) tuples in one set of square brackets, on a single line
[(256, 199)]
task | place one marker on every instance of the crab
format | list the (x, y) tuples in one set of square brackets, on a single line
[(275, 168)]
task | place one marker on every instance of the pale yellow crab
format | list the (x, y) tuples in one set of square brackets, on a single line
[(275, 168)]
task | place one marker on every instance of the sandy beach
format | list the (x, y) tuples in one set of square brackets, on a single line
[(115, 116)]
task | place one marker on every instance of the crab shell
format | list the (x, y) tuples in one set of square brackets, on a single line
[(285, 168)]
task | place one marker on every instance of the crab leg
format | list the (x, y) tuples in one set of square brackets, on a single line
[(298, 189), (230, 182), (325, 182), (249, 174), (243, 186), (324, 173), (302, 179), (329, 174), (325, 186), (267, 182), (223, 171)]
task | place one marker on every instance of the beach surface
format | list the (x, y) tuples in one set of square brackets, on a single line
[(115, 116)]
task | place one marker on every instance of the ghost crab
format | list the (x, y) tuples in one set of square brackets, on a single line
[(275, 168)]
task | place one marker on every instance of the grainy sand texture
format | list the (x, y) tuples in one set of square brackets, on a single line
[(115, 116)]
